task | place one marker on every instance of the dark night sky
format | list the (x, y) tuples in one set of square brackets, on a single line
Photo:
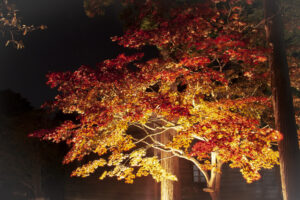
[(72, 39)]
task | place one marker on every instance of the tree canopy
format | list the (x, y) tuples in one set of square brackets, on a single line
[(205, 91)]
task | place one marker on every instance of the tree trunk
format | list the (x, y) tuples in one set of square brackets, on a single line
[(282, 102), (170, 190), (37, 176), (37, 183), (215, 194), (156, 186), (214, 183)]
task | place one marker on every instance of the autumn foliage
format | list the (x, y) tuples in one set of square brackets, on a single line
[(206, 87), (11, 27)]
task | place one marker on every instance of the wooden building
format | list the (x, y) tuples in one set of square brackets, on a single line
[(233, 186)]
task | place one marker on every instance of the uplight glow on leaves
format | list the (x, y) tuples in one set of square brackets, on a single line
[(206, 88)]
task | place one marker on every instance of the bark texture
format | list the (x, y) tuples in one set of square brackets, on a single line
[(214, 183), (282, 102), (215, 194), (170, 190)]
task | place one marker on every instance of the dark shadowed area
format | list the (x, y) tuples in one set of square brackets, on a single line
[(71, 39)]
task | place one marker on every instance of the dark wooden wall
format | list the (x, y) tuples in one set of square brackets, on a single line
[(233, 187)]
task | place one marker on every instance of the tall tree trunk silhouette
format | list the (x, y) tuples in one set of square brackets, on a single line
[(282, 102)]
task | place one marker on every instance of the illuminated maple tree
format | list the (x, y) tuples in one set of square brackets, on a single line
[(199, 94)]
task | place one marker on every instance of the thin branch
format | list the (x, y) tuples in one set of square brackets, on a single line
[(199, 138), (147, 136), (195, 161), (167, 157), (160, 119), (156, 147)]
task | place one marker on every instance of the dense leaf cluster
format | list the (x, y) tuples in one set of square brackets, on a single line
[(205, 91)]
